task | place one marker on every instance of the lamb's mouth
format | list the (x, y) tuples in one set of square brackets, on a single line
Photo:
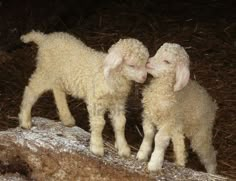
[(148, 66), (149, 70), (140, 81)]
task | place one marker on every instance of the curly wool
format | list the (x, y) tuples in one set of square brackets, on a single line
[(66, 65), (190, 112)]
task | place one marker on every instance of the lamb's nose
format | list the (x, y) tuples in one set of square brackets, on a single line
[(148, 65), (144, 77)]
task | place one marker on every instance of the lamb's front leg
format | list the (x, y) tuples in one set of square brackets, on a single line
[(117, 116), (162, 139), (146, 146), (97, 123)]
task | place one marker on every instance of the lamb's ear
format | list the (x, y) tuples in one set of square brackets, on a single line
[(182, 76), (111, 63)]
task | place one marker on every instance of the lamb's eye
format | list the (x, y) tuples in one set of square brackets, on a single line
[(133, 66), (166, 61)]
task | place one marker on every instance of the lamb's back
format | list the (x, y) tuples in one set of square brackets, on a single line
[(75, 66)]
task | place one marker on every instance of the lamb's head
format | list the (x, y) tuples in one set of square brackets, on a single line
[(127, 58), (170, 58)]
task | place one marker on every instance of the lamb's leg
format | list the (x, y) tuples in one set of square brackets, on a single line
[(162, 139), (63, 109), (97, 123), (179, 148), (118, 121), (202, 145), (36, 87), (146, 146)]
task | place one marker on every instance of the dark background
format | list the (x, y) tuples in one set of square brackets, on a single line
[(206, 28)]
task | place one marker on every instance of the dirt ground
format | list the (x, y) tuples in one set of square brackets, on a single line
[(206, 28)]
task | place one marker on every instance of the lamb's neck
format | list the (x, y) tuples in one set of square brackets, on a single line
[(123, 83), (120, 85), (164, 85)]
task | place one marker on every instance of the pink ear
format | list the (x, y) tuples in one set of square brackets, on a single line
[(182, 76), (111, 63)]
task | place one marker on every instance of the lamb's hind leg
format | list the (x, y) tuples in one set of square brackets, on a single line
[(179, 147), (63, 109), (37, 85), (202, 145)]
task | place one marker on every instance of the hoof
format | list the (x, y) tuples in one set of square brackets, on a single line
[(154, 167), (97, 150), (141, 156), (124, 152), (69, 122), (25, 124)]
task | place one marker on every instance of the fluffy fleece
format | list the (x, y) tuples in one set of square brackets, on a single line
[(66, 65), (176, 106)]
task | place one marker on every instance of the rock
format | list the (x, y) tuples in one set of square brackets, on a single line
[(51, 151)]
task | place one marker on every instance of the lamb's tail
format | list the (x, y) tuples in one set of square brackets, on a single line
[(33, 36)]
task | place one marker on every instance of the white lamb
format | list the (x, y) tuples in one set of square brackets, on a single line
[(176, 106), (66, 65)]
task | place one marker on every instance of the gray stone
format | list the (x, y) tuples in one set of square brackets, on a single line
[(51, 151)]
